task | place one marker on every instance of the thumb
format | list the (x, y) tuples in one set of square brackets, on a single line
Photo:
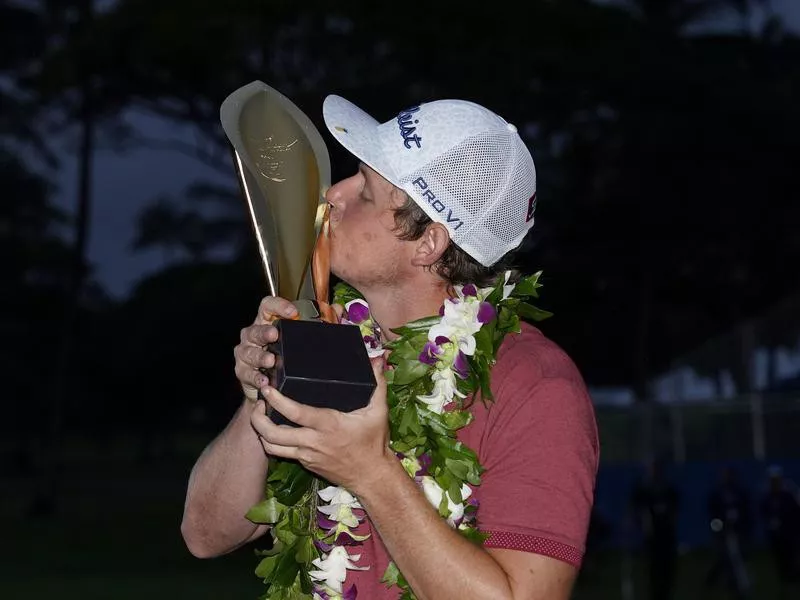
[(339, 310), (378, 367)]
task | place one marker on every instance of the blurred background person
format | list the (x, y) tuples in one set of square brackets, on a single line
[(780, 511), (655, 502), (730, 518)]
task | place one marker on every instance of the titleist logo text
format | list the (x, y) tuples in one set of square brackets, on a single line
[(406, 122)]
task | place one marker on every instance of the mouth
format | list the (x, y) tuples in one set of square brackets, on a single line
[(329, 219)]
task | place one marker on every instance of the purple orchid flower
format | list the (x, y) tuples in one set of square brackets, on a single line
[(322, 546), (486, 312), (346, 539), (470, 290), (358, 312), (321, 592), (461, 366), (350, 593), (424, 464), (326, 523), (430, 353)]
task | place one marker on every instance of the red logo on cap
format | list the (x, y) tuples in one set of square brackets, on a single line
[(531, 207)]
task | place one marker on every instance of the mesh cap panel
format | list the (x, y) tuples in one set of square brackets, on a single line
[(483, 187)]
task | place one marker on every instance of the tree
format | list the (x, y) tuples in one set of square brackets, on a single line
[(634, 122)]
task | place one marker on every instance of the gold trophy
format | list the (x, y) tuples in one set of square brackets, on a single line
[(283, 168)]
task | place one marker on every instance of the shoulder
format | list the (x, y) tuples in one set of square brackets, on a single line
[(538, 387), (532, 356)]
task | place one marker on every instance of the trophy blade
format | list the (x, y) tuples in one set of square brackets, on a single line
[(283, 167)]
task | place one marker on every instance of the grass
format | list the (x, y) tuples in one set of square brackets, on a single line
[(602, 579)]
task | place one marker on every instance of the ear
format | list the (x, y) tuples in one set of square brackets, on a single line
[(430, 247)]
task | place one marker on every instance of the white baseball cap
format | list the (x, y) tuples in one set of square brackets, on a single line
[(465, 166)]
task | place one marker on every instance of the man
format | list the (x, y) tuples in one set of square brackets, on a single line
[(656, 502), (780, 510), (731, 526), (443, 193)]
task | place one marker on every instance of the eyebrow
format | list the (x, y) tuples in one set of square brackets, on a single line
[(363, 168)]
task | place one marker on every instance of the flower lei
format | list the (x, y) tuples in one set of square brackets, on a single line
[(435, 363)]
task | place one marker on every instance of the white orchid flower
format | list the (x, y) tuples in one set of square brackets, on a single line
[(459, 323), (338, 495), (434, 492), (507, 289), (333, 568), (444, 388), (483, 293), (341, 513), (341, 505)]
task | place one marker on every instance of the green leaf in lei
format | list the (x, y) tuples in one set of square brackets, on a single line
[(529, 311), (528, 286), (290, 481), (408, 371), (267, 511)]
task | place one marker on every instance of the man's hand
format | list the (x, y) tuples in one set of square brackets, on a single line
[(348, 449), (250, 354)]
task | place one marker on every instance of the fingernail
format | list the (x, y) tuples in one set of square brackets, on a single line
[(290, 311)]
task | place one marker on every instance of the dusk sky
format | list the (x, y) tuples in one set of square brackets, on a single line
[(125, 183)]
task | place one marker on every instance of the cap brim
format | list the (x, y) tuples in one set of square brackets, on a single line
[(358, 133)]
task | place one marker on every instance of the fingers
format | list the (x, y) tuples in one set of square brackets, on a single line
[(258, 335), (254, 357), (305, 416), (250, 378), (262, 425), (251, 357), (278, 435), (273, 307), (249, 354)]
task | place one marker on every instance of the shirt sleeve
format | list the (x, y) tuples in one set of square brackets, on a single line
[(540, 451)]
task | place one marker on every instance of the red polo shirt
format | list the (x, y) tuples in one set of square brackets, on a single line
[(539, 445)]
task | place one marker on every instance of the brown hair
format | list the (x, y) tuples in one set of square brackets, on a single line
[(454, 266)]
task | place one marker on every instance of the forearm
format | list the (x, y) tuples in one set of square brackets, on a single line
[(226, 480), (437, 561)]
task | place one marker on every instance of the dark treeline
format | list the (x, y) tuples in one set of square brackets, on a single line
[(667, 207)]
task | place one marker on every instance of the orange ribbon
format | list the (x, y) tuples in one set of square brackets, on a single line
[(321, 270)]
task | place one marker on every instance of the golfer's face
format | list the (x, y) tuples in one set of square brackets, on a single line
[(364, 246)]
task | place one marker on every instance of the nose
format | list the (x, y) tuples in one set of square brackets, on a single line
[(339, 194)]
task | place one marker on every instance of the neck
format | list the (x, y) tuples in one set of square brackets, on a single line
[(393, 307)]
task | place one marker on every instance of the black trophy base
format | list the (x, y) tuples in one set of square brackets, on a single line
[(321, 364)]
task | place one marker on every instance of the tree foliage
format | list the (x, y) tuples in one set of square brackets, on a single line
[(662, 154)]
